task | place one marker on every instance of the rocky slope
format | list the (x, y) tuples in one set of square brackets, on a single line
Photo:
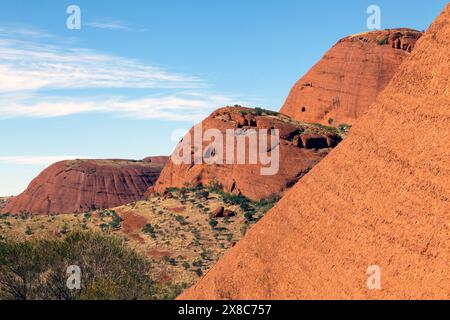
[(301, 147), (377, 199), (3, 201), (346, 81), (84, 185), (182, 233)]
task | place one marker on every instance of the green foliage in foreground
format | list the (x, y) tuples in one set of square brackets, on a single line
[(36, 269)]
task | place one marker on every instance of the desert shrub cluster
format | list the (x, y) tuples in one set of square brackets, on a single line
[(37, 269)]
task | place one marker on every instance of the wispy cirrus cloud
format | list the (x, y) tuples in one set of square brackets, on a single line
[(26, 65), (111, 24), (20, 30), (39, 78), (180, 106)]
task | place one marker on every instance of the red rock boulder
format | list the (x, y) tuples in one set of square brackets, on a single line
[(228, 213), (218, 213)]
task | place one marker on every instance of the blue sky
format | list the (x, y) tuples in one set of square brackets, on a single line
[(140, 72)]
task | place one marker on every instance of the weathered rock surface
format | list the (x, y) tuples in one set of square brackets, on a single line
[(301, 147), (382, 197), (347, 80), (83, 185), (218, 213), (157, 159), (227, 213)]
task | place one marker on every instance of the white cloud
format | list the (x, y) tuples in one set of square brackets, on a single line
[(183, 106), (36, 160), (111, 24), (24, 31), (39, 79), (26, 65)]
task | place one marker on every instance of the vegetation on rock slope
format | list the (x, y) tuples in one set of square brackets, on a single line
[(149, 249)]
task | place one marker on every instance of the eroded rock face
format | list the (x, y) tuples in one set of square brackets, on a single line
[(381, 198), (341, 86), (84, 185), (297, 154)]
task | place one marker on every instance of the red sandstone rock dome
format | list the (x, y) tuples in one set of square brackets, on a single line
[(301, 147), (346, 81), (83, 185), (382, 197)]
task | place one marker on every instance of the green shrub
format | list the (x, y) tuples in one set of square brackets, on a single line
[(244, 203), (235, 199), (172, 189), (260, 112), (36, 269), (150, 230), (205, 254), (264, 205), (198, 272), (170, 260), (383, 42), (181, 220), (215, 187), (173, 290), (197, 263), (28, 231), (203, 194), (115, 224), (213, 223), (248, 216), (103, 213)]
